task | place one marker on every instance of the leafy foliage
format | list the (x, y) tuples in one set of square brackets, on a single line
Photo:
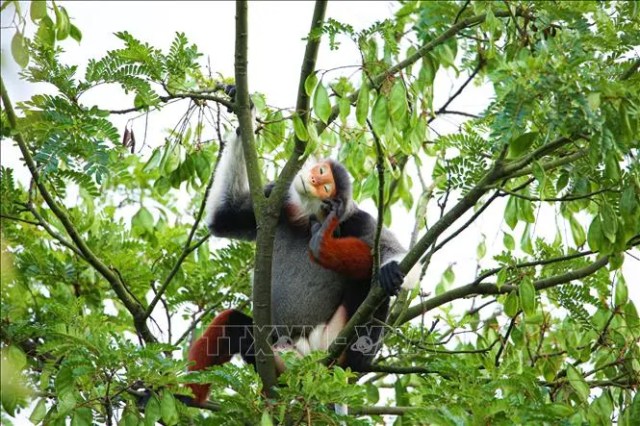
[(558, 139)]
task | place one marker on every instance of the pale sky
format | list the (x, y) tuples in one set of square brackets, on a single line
[(276, 48)]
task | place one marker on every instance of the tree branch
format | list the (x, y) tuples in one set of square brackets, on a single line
[(203, 96), (266, 228), (555, 199), (377, 410), (488, 289), (505, 340), (542, 262), (548, 165), (136, 310), (391, 369), (18, 219), (457, 93), (267, 211)]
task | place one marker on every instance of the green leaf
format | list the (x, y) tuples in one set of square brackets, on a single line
[(540, 175), (511, 212), (593, 99), (631, 316), (560, 410), (310, 83), (75, 33), (265, 420), (577, 231), (446, 55), (449, 276), (129, 418), (299, 128), (162, 185), (65, 388), (595, 237), (525, 210), (38, 10), (621, 292), (379, 115), (344, 108), (154, 161), (508, 241), (578, 383), (17, 359), (64, 382), (142, 221), (19, 49), (321, 103), (481, 250), (202, 166), (511, 304), (373, 393), (635, 406), (527, 293), (628, 201), (82, 416), (38, 413), (562, 181), (501, 278), (429, 69), (525, 241), (521, 144), (172, 157), (46, 32), (152, 411), (609, 223), (168, 409), (612, 167), (398, 104), (362, 105), (63, 25)]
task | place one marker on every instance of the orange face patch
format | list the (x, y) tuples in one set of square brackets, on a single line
[(320, 180)]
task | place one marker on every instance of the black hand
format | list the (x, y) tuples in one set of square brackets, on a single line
[(315, 224), (326, 207), (335, 205), (391, 278), (268, 188), (230, 89), (339, 206)]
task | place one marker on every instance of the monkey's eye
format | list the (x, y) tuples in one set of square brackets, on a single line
[(327, 188), (321, 171)]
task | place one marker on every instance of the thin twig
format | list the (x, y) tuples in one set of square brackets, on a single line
[(505, 340)]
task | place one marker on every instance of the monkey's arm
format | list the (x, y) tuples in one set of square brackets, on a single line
[(351, 254), (348, 255), (391, 254)]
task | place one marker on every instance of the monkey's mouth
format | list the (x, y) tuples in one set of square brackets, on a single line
[(304, 187)]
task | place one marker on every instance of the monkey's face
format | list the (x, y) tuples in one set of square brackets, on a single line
[(316, 182)]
